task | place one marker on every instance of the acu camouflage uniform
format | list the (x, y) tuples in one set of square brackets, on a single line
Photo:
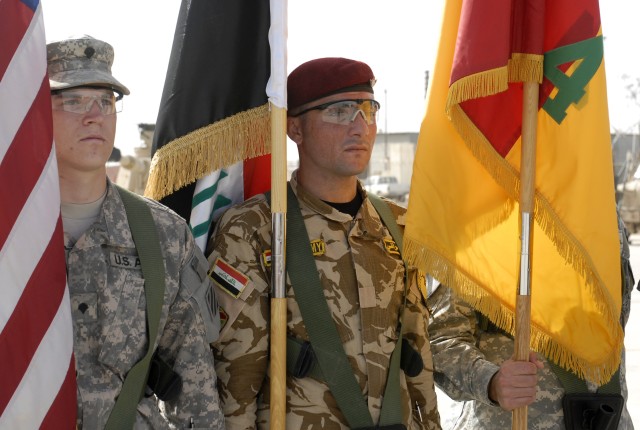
[(109, 317), (466, 357), (363, 285)]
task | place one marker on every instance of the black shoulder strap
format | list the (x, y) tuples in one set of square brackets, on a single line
[(145, 236)]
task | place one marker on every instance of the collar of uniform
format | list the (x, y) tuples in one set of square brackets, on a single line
[(368, 222), (115, 218), (95, 235), (315, 204)]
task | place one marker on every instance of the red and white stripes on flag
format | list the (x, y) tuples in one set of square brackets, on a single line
[(37, 371)]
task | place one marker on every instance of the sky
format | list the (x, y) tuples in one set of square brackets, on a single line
[(398, 39)]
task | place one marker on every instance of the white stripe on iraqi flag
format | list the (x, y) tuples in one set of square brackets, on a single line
[(37, 372), (224, 192), (277, 85)]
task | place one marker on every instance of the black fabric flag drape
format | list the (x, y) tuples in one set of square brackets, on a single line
[(213, 111)]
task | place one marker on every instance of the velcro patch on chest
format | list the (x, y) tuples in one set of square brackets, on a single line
[(224, 317), (318, 247), (391, 247), (229, 279), (266, 258), (124, 261)]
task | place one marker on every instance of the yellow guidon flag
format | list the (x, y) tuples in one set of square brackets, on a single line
[(463, 215)]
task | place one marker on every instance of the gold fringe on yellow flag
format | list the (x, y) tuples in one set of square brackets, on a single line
[(463, 215)]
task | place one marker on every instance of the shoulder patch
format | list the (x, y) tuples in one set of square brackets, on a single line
[(224, 317), (266, 258), (228, 278)]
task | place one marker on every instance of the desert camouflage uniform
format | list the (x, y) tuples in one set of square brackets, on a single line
[(109, 309), (363, 285), (466, 357)]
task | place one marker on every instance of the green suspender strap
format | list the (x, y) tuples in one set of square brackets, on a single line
[(573, 384), (391, 407), (324, 337), (145, 236)]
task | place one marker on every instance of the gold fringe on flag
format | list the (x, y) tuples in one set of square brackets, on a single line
[(520, 68), (190, 157), (436, 263), (477, 85), (526, 68)]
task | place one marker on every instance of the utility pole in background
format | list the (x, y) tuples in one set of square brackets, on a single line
[(386, 135)]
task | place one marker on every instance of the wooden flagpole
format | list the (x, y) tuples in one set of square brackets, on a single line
[(527, 191), (278, 334), (278, 355)]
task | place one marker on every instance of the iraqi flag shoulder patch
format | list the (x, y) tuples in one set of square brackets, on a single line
[(229, 279)]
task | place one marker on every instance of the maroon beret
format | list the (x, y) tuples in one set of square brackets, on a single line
[(326, 76)]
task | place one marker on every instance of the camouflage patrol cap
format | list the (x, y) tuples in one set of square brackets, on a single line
[(81, 61)]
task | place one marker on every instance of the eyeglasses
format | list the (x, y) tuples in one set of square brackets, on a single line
[(344, 112), (76, 102)]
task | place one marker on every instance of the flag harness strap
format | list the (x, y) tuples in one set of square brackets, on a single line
[(324, 337), (145, 237)]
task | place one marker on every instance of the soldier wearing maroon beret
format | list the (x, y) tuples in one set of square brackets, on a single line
[(357, 305)]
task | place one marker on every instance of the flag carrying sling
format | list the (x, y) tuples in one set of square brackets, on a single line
[(145, 237)]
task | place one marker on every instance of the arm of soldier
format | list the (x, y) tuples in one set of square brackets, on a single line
[(460, 368), (421, 385), (192, 324), (241, 352), (515, 384)]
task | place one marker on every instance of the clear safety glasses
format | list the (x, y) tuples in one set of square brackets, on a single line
[(344, 112), (79, 102)]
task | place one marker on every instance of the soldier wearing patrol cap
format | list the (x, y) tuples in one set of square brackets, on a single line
[(104, 265), (355, 263)]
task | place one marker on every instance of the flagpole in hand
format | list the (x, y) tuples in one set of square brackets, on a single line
[(278, 335), (527, 189), (278, 359)]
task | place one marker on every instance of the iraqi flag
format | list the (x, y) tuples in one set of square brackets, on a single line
[(212, 136), (463, 214)]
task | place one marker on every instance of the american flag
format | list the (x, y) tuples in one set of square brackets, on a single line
[(37, 371)]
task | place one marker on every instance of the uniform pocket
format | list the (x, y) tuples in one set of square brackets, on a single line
[(125, 338)]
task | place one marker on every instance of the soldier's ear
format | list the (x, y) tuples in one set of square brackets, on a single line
[(294, 129)]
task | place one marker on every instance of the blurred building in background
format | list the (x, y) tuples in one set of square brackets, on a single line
[(132, 171)]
